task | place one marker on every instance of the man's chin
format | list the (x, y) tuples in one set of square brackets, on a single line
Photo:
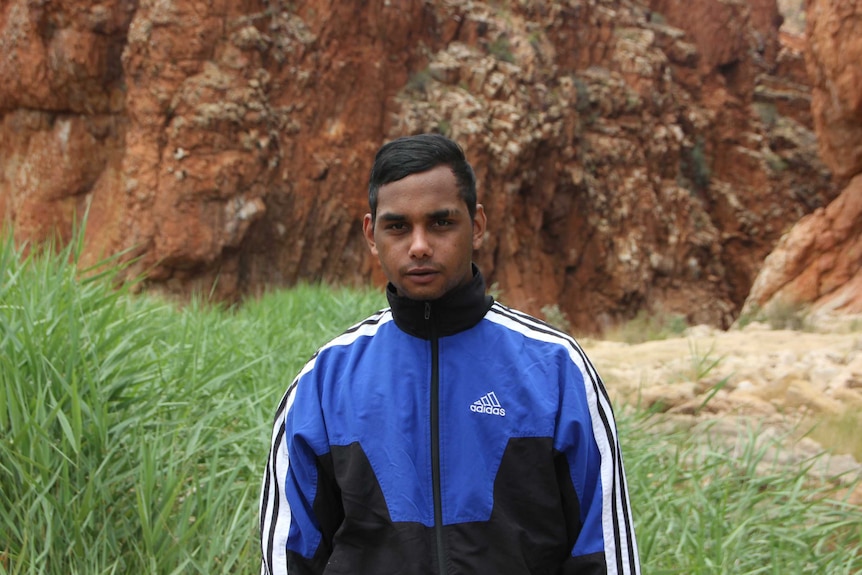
[(420, 293), (421, 296)]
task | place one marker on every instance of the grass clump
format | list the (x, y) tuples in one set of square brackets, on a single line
[(695, 166), (556, 317), (782, 314), (648, 327), (779, 314), (501, 49), (840, 431), (133, 432), (703, 507), (419, 81)]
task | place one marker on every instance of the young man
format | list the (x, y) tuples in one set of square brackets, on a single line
[(447, 434)]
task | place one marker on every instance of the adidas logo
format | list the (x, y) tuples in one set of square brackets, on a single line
[(488, 404)]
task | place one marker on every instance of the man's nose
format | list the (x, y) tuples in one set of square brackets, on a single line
[(420, 246)]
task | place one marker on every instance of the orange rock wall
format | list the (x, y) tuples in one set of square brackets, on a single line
[(819, 262), (627, 159)]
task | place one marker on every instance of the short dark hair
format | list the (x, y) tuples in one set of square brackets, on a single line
[(410, 155)]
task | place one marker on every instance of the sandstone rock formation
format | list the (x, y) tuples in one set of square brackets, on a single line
[(725, 387), (819, 262), (630, 157)]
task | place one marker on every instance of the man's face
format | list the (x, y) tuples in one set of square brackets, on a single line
[(423, 235)]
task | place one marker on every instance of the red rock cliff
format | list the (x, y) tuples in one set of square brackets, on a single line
[(819, 262), (629, 157)]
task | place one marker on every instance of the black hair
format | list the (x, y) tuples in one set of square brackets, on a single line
[(410, 155)]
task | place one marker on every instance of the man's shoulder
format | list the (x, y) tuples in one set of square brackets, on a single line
[(346, 340), (522, 321), (536, 335), (369, 326)]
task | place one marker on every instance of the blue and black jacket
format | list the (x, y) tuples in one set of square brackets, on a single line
[(456, 436)]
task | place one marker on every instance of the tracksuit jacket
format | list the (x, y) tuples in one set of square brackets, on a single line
[(456, 436)]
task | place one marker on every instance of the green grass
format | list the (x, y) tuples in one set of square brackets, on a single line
[(133, 434), (840, 431), (702, 507)]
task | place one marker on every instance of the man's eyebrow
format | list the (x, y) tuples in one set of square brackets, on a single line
[(435, 215), (444, 213)]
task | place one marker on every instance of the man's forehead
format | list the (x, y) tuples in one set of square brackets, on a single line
[(441, 212), (414, 199)]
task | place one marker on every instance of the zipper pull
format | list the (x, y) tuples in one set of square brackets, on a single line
[(427, 310)]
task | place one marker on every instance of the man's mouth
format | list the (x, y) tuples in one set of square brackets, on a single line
[(421, 274)]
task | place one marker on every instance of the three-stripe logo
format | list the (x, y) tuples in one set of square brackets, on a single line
[(489, 404)]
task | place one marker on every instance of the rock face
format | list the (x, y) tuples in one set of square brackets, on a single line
[(819, 262), (629, 157), (725, 387)]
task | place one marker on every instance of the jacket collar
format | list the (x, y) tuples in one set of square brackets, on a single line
[(456, 311)]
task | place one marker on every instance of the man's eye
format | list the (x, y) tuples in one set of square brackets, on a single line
[(443, 223), (396, 226)]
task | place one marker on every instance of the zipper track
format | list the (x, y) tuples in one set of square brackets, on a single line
[(435, 443)]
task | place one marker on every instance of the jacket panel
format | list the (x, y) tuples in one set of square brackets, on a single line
[(375, 393), (530, 469), (495, 385), (586, 419), (369, 541)]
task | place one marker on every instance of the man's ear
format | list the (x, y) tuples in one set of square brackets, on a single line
[(480, 222), (368, 232)]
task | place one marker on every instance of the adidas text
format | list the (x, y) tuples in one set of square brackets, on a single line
[(487, 409), (488, 404)]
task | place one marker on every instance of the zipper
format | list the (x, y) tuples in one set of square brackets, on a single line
[(435, 442)]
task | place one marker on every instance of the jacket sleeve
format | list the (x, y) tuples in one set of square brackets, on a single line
[(592, 477), (300, 506)]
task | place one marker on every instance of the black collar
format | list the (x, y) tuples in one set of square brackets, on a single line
[(456, 311)]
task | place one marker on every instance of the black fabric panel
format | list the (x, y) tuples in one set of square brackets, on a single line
[(367, 541), (330, 515), (532, 528), (585, 565), (570, 503), (457, 311), (327, 507), (299, 565)]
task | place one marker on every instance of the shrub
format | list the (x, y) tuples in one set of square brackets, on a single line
[(648, 327), (501, 49)]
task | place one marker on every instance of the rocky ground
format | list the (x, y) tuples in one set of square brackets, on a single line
[(800, 391)]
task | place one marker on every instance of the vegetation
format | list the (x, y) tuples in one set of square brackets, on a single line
[(779, 314), (556, 317), (838, 431), (705, 509), (133, 434), (768, 113), (501, 49), (582, 89), (695, 166), (419, 81), (646, 326)]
